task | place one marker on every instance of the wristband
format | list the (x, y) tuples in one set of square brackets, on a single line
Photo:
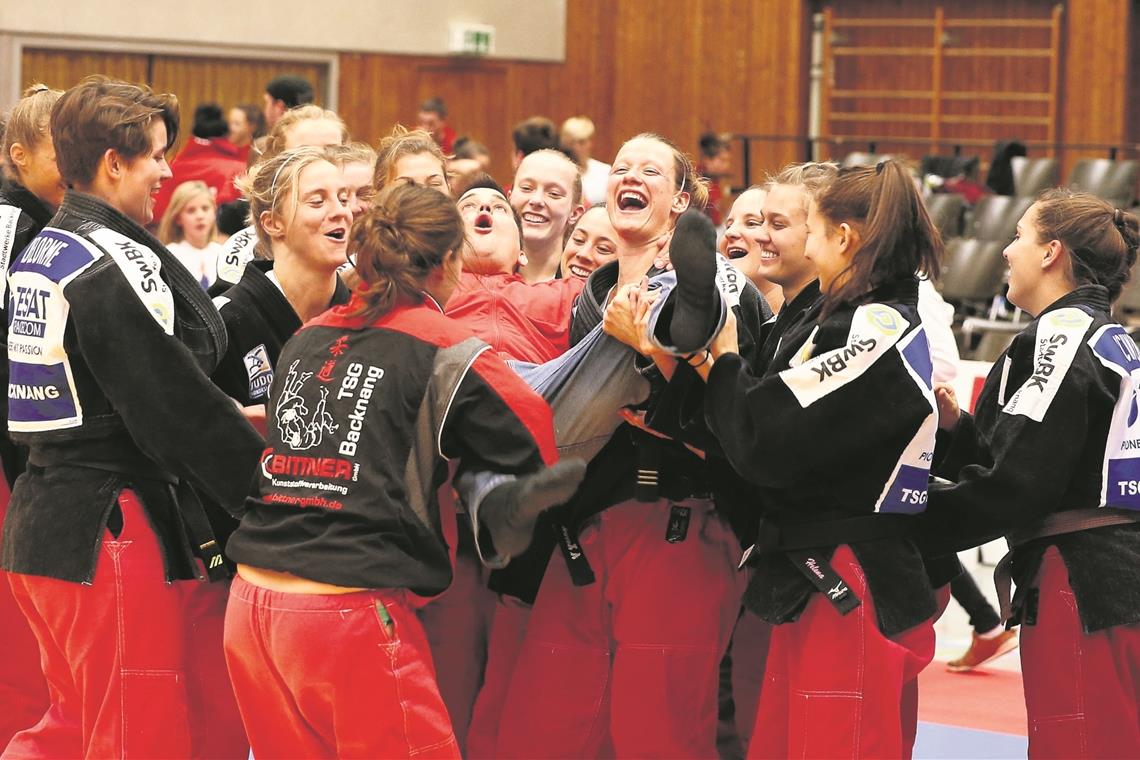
[(704, 359)]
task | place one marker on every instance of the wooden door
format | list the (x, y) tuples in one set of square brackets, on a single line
[(476, 98)]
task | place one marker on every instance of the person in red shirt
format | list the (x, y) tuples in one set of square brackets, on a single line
[(208, 157), (528, 322), (716, 163), (433, 120)]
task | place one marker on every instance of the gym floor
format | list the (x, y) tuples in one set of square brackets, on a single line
[(978, 714)]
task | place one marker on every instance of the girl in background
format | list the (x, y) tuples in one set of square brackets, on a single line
[(188, 229)]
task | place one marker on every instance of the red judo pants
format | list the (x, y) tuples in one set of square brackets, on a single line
[(1081, 689), (634, 655), (749, 654), (336, 676), (134, 664), (457, 624), (834, 683), (23, 689), (910, 688), (508, 630)]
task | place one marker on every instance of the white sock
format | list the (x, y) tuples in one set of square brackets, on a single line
[(993, 633)]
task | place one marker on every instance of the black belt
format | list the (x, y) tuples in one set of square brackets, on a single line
[(804, 546), (1056, 524), (186, 501)]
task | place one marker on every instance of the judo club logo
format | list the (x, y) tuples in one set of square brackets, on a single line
[(884, 319), (299, 429)]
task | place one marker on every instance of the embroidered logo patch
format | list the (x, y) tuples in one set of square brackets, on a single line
[(259, 370), (1059, 336)]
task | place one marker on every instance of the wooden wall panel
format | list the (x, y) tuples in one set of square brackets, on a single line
[(228, 82), (1094, 106), (194, 79), (677, 68), (1132, 92), (62, 69), (944, 79)]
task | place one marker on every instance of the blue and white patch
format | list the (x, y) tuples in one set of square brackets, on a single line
[(41, 389), (1059, 335), (143, 270), (906, 489), (1120, 484), (236, 253), (875, 329), (40, 394), (259, 371)]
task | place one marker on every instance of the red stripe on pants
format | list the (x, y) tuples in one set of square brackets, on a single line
[(833, 686), (134, 664), (23, 689), (1081, 689), (635, 654), (339, 675)]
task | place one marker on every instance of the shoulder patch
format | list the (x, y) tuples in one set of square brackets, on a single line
[(236, 253), (1120, 483), (57, 255), (1059, 335), (143, 270), (259, 370), (875, 329)]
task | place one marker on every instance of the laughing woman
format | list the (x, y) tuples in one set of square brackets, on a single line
[(298, 202), (651, 533)]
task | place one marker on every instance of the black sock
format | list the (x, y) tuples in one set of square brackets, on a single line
[(695, 309), (510, 511)]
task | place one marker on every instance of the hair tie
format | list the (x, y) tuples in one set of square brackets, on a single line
[(879, 167), (1118, 218)]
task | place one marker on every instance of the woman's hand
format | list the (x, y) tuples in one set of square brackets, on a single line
[(949, 412), (627, 317), (725, 341)]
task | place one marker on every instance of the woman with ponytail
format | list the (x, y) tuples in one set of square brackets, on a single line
[(1051, 460), (837, 433), (342, 538)]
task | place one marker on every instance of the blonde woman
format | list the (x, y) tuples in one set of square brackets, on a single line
[(33, 192)]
